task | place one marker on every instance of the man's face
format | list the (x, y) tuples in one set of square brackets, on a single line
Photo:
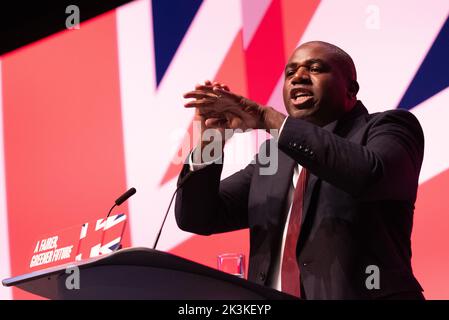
[(315, 88)]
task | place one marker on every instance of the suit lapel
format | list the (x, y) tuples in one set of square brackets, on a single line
[(311, 183)]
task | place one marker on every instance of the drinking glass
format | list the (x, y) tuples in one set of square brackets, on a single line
[(232, 263)]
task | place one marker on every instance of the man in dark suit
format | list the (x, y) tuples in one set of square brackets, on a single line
[(334, 220)]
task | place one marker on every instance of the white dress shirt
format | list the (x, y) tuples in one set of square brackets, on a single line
[(275, 280)]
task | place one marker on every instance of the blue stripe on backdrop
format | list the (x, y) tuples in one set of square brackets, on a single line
[(171, 20), (432, 75)]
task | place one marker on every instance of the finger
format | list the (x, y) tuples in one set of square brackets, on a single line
[(221, 85), (215, 123), (206, 84), (221, 92), (198, 94), (218, 84), (207, 111), (235, 123), (200, 103), (202, 87)]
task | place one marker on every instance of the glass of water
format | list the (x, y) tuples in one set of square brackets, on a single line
[(232, 263)]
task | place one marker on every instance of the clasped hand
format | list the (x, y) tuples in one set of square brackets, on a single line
[(220, 108)]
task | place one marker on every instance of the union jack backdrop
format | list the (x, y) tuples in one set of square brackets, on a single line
[(87, 113)]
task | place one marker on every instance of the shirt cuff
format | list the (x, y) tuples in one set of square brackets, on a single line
[(197, 166), (282, 126)]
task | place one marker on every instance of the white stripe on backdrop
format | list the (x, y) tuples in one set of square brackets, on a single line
[(154, 121), (5, 293)]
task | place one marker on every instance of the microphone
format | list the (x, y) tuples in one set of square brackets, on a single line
[(181, 183), (118, 202), (122, 199), (125, 196)]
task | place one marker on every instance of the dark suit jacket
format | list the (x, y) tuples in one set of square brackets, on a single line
[(358, 207)]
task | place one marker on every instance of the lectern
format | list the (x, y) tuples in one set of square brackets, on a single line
[(141, 273)]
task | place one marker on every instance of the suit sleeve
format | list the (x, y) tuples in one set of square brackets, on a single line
[(204, 205), (385, 168)]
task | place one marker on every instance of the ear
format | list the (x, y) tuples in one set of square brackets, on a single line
[(353, 88)]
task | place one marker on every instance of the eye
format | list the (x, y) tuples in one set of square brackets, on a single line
[(315, 69), (289, 73)]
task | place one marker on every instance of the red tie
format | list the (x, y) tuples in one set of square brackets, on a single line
[(290, 270)]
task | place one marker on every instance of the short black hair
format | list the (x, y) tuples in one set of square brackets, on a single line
[(347, 64)]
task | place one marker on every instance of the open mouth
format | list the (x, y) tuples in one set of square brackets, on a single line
[(301, 98)]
